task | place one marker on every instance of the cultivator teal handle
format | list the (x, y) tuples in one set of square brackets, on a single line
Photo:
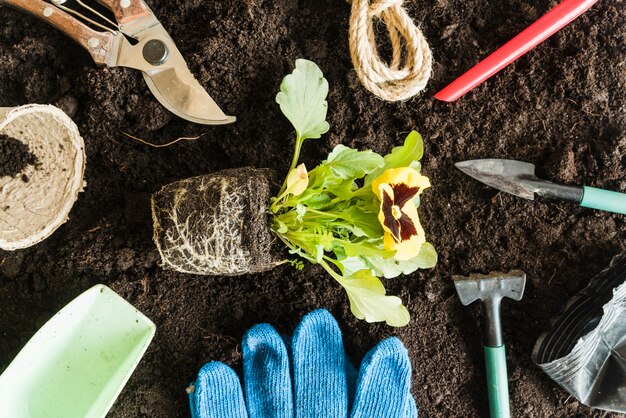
[(603, 200), (497, 382)]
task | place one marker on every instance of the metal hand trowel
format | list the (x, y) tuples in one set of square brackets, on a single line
[(518, 178), (76, 365)]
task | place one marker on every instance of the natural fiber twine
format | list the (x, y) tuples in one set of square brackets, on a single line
[(411, 63)]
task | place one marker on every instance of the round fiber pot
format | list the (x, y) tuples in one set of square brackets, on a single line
[(37, 200)]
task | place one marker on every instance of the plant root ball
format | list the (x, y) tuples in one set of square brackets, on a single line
[(216, 224)]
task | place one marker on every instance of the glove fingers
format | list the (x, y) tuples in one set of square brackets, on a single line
[(266, 374), (217, 393), (319, 368), (411, 409), (384, 385)]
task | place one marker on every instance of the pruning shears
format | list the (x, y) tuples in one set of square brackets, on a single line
[(135, 40)]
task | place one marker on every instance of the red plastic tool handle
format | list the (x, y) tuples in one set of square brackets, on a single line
[(546, 26)]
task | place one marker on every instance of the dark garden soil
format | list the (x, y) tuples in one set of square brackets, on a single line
[(15, 156), (561, 107)]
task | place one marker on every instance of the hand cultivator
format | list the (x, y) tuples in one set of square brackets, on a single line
[(490, 290), (355, 214)]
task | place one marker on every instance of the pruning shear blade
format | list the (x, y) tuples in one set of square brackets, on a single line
[(170, 81)]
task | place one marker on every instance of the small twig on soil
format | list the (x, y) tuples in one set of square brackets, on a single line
[(145, 285), (574, 127), (98, 227), (449, 298), (222, 337), (182, 138), (563, 211), (451, 408), (555, 271)]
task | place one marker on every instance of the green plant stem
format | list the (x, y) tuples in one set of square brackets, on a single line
[(280, 197), (294, 248), (296, 153), (323, 214), (294, 162), (332, 272)]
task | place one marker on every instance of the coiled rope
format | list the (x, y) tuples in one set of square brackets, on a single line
[(411, 63)]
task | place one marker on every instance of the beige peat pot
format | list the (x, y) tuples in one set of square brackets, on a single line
[(36, 202)]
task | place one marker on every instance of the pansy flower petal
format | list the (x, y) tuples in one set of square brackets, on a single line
[(410, 212), (297, 180), (406, 250), (385, 216), (389, 241), (404, 175), (404, 193), (408, 246)]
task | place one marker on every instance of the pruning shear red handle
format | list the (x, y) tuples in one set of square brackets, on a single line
[(98, 44)]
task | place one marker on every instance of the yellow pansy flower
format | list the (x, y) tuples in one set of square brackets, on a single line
[(396, 188)]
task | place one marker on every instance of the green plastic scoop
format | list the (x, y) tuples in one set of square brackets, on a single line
[(76, 365)]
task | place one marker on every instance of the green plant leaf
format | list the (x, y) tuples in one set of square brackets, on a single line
[(351, 265), (349, 163), (365, 249), (404, 156), (302, 99), (390, 267), (412, 150), (368, 300), (366, 222), (301, 211), (343, 189), (281, 227), (316, 200), (427, 257)]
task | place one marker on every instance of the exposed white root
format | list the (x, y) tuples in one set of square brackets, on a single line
[(215, 224)]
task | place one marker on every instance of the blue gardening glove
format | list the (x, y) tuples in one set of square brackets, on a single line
[(322, 382)]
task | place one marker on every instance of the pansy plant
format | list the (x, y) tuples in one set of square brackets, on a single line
[(355, 214)]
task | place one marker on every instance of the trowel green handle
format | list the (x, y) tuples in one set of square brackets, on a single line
[(604, 200), (497, 382)]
